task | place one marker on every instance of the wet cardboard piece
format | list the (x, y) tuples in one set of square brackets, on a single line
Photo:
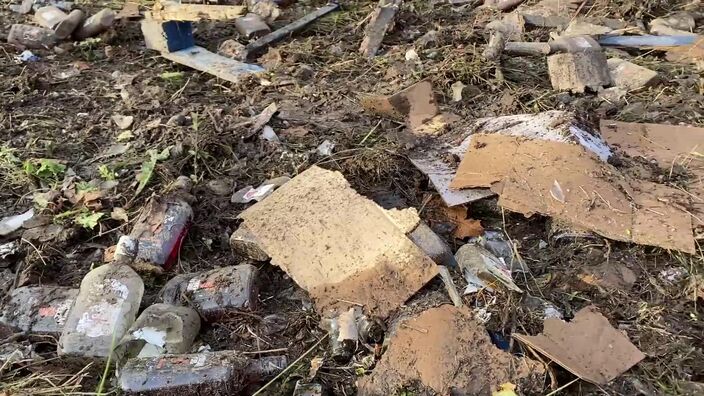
[(339, 246), (445, 350), (568, 183), (588, 346), (668, 145)]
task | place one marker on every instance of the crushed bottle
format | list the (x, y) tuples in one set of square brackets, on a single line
[(34, 37), (214, 293), (95, 24), (105, 308), (160, 329), (61, 23), (38, 309), (344, 336), (160, 229), (206, 373)]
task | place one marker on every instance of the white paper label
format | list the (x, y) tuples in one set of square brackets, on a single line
[(99, 320)]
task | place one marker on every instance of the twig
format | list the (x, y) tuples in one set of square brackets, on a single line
[(37, 250), (266, 351), (284, 371), (350, 302), (418, 329), (563, 387)]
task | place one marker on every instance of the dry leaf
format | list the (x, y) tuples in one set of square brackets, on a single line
[(119, 214), (465, 227)]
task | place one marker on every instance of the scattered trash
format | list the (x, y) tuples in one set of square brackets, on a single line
[(380, 21), (160, 229), (9, 249), (483, 270), (129, 10), (588, 346), (13, 223), (450, 286), (160, 329), (95, 24), (38, 310), (673, 274), (123, 122), (545, 309), (464, 227), (325, 148), (214, 293), (330, 264), (248, 194), (61, 23), (445, 350), (269, 135), (497, 243), (27, 56), (431, 244), (344, 336), (224, 372), (303, 389), (105, 308), (457, 90)]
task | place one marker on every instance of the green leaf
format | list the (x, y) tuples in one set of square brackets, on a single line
[(106, 173), (172, 76), (44, 168), (147, 170), (85, 187), (88, 220)]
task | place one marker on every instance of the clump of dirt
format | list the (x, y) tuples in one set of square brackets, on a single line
[(444, 350)]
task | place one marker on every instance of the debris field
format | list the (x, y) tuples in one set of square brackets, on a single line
[(281, 197)]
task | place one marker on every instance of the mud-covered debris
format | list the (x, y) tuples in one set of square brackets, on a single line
[(221, 187), (214, 293), (444, 350), (252, 26), (348, 252), (129, 10), (14, 352), (33, 37), (450, 286), (540, 307), (580, 28), (61, 23), (267, 9), (497, 39), (160, 329), (255, 48), (381, 21), (248, 193), (38, 309), (221, 373), (630, 76), (105, 308), (245, 244), (606, 207), (483, 270), (97, 23), (122, 121), (307, 389), (503, 5), (588, 346), (8, 249), (579, 70), (10, 224), (497, 243)]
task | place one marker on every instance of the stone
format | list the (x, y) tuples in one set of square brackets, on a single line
[(630, 76), (577, 71)]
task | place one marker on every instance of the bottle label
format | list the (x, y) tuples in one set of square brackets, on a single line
[(99, 320)]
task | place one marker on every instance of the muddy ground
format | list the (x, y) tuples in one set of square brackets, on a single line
[(61, 106)]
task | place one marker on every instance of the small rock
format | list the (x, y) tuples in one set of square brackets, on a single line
[(325, 148), (630, 76), (123, 122), (221, 187), (304, 72), (577, 71), (233, 49), (429, 39), (177, 120)]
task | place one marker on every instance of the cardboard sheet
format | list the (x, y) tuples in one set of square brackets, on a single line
[(588, 346), (339, 246), (201, 59), (568, 183), (669, 145)]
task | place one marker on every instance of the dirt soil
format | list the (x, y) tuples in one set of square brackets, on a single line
[(60, 108)]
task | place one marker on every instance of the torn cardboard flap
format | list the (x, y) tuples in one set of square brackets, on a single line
[(339, 246), (568, 183), (175, 11), (588, 346)]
